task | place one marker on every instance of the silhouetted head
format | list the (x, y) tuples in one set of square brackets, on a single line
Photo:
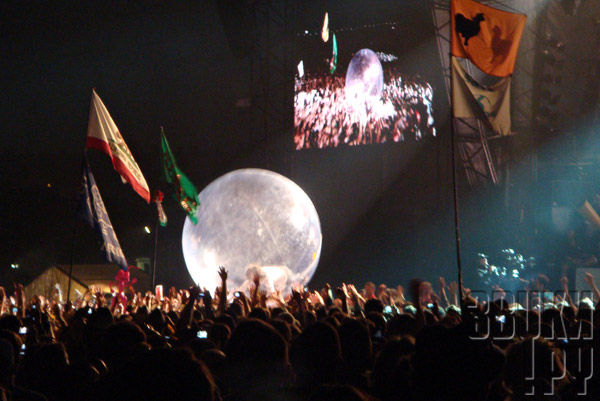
[(164, 374), (316, 355), (373, 305), (392, 375), (121, 341), (7, 361), (219, 334), (156, 319), (356, 345), (256, 349)]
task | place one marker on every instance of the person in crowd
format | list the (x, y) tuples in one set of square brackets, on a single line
[(334, 344)]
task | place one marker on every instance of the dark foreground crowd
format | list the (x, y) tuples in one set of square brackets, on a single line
[(333, 344)]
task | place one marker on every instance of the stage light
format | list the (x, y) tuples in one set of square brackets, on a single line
[(147, 229), (14, 266)]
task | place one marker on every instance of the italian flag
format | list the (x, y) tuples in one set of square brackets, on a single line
[(104, 136)]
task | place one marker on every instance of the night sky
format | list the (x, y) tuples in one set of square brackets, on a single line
[(153, 64), (159, 63)]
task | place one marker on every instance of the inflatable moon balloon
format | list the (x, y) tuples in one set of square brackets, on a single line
[(253, 221)]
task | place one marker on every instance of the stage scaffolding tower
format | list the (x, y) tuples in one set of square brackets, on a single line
[(481, 164)]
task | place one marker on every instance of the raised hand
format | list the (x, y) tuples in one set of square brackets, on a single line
[(442, 282), (315, 298), (415, 285), (453, 288), (589, 279), (346, 290), (194, 292), (351, 289), (222, 273), (207, 297), (564, 281), (256, 280)]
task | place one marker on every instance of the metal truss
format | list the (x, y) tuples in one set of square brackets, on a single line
[(473, 136)]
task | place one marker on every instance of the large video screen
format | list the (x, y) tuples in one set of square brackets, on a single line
[(352, 84)]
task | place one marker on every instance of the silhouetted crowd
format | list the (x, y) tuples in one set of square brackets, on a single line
[(333, 344), (325, 117)]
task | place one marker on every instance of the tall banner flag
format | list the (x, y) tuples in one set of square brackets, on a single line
[(471, 100), (104, 136), (325, 30), (94, 213), (485, 35), (185, 192), (333, 62)]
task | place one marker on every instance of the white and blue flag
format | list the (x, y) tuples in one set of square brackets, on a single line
[(94, 213)]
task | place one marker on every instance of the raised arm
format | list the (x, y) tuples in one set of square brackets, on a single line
[(567, 297), (185, 318), (443, 296), (342, 294), (357, 300), (453, 289), (223, 296), (589, 279), (2, 298), (415, 285), (254, 296)]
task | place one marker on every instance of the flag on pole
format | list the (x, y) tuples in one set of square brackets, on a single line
[(185, 191), (300, 69), (485, 35), (333, 61), (91, 208), (162, 216), (325, 30), (471, 100), (104, 135)]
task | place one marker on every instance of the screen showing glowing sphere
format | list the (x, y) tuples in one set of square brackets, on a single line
[(253, 221), (364, 78)]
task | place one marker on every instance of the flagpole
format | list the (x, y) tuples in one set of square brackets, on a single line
[(455, 187), (72, 258), (74, 237), (155, 252)]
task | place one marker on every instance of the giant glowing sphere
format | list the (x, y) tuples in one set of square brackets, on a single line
[(253, 221), (364, 78)]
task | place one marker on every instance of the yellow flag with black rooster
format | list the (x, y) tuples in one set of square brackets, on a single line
[(485, 35)]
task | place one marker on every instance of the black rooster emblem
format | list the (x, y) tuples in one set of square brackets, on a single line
[(467, 28)]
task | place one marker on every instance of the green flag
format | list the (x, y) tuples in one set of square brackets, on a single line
[(185, 192), (333, 61)]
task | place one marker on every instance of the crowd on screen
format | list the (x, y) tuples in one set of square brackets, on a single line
[(325, 117), (343, 343)]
